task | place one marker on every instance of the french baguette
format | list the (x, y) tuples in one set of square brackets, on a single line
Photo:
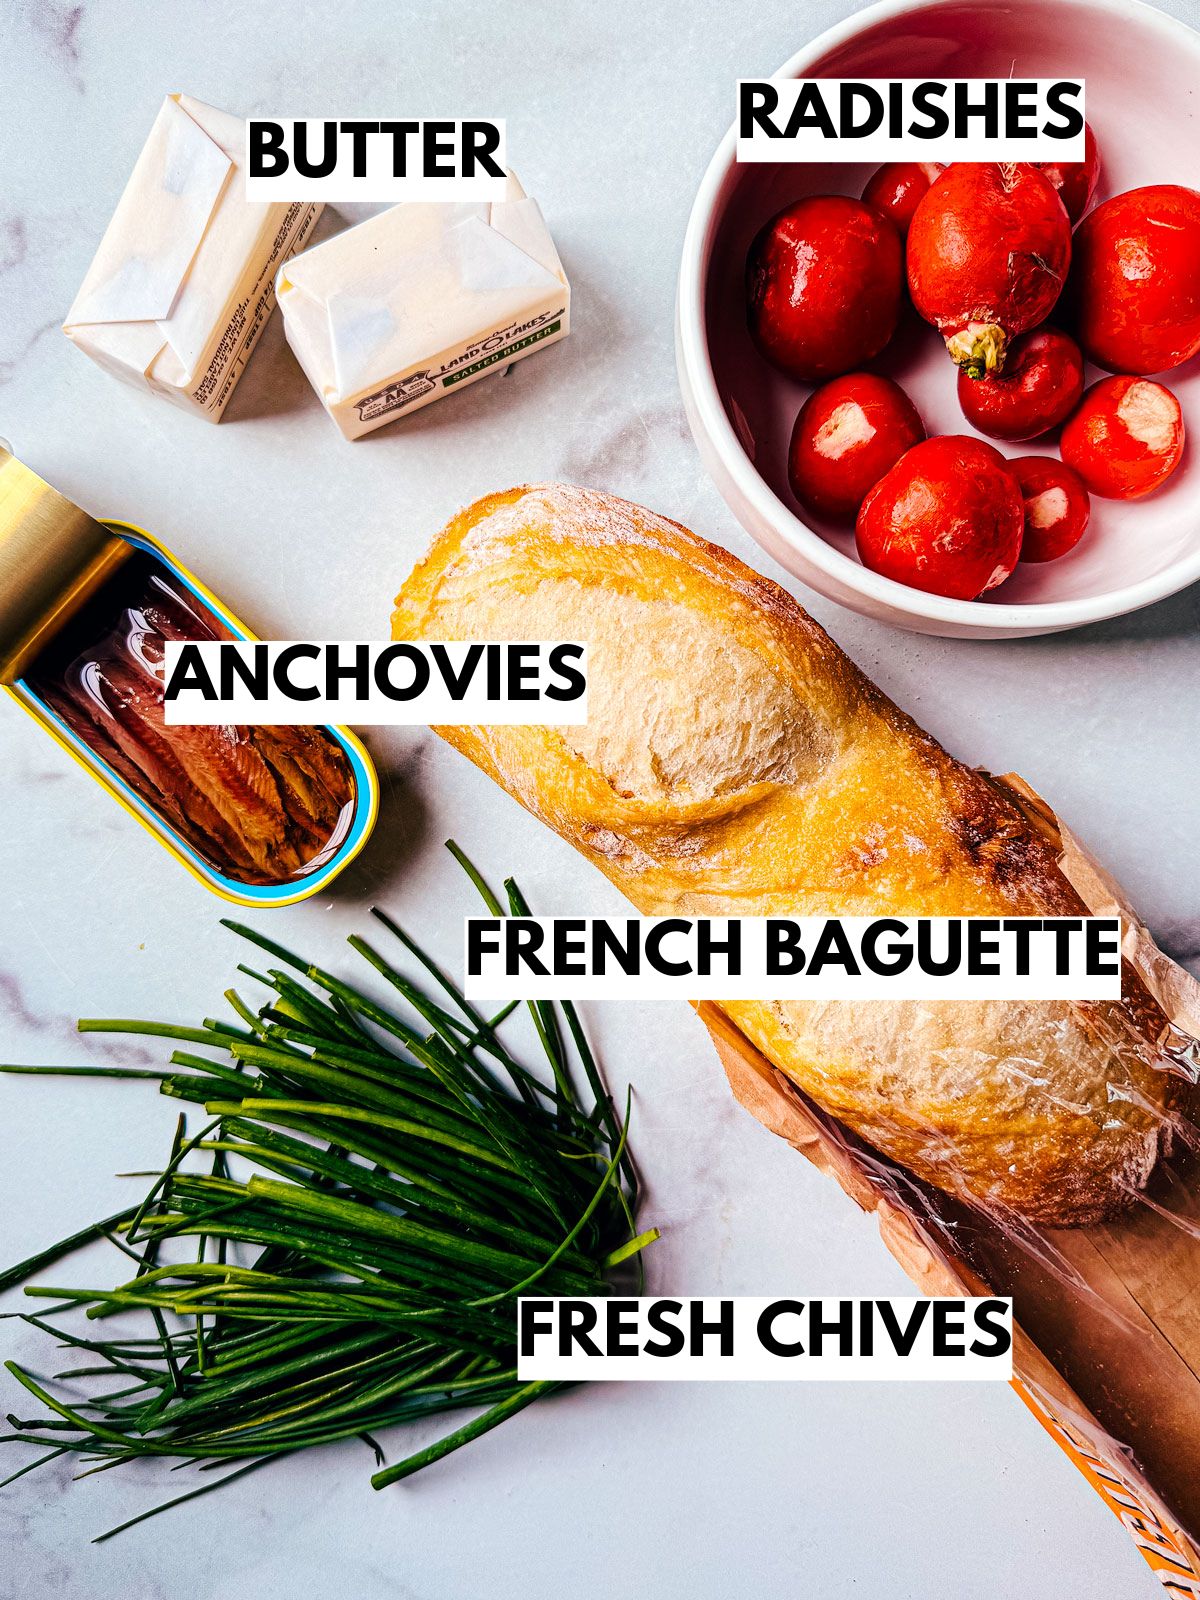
[(736, 762)]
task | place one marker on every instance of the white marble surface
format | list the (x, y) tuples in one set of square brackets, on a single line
[(679, 1491)]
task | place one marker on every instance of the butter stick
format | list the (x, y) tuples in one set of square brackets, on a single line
[(419, 301), (183, 282)]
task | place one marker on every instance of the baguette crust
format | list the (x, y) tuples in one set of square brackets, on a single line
[(735, 761)]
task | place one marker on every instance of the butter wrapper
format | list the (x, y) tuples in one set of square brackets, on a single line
[(419, 301), (183, 282)]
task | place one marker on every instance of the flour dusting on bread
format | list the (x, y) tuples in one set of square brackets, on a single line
[(675, 710)]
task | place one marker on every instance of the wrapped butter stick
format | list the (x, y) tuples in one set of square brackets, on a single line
[(421, 300), (183, 281)]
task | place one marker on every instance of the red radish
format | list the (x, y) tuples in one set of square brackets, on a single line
[(946, 519), (1135, 284), (1075, 180), (1057, 507), (824, 281), (1040, 385), (988, 253), (898, 187), (1126, 438), (848, 434)]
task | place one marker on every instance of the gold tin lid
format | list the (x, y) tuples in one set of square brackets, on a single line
[(53, 557)]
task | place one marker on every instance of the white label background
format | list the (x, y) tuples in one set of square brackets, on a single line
[(379, 183), (832, 982), (433, 706), (752, 1362), (810, 144)]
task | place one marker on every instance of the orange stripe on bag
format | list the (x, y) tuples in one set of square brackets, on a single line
[(1162, 1547)]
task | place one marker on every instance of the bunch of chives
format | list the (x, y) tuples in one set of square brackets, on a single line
[(339, 1247)]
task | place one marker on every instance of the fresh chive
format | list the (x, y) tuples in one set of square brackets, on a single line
[(397, 1176), (454, 1441)]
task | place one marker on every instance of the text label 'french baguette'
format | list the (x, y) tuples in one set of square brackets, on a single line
[(793, 958), (750, 1337), (910, 119), (408, 684)]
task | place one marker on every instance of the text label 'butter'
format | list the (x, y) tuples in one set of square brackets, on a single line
[(311, 158)]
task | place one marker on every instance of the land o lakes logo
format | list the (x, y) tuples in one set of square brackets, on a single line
[(507, 341)]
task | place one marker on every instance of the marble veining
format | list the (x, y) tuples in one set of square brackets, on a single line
[(59, 27)]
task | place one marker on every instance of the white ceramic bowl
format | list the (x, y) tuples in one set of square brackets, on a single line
[(1142, 71)]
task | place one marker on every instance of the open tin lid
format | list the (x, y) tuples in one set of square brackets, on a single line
[(53, 557)]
